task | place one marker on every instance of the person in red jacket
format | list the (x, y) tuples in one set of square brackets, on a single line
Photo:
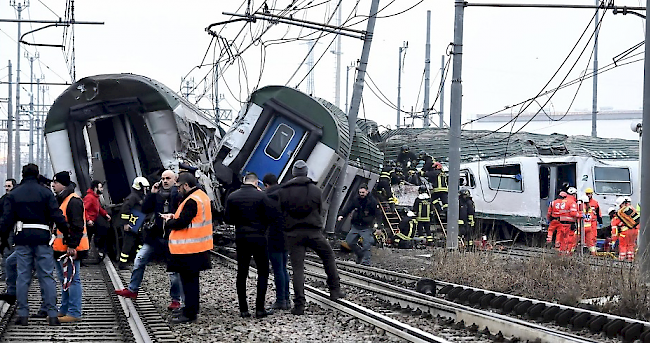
[(590, 222), (553, 217), (95, 214)]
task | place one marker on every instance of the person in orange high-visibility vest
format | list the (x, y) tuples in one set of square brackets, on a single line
[(73, 243), (553, 217), (189, 242), (628, 229), (568, 218), (590, 222)]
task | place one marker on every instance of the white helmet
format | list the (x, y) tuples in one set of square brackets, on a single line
[(609, 210), (620, 201), (410, 214), (139, 182), (584, 199), (572, 191)]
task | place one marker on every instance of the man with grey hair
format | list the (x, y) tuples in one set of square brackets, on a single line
[(301, 205)]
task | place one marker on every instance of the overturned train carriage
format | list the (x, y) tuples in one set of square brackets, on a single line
[(280, 125), (513, 179), (116, 127)]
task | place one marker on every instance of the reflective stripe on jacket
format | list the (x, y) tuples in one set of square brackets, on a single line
[(58, 242), (197, 237)]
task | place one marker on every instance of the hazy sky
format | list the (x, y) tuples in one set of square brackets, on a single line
[(509, 54)]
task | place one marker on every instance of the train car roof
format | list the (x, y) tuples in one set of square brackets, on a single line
[(119, 93), (478, 145)]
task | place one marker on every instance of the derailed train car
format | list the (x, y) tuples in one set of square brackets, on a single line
[(513, 179), (280, 125)]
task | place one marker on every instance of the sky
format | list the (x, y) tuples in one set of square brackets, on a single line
[(509, 55)]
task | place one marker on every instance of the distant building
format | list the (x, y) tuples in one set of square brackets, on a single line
[(611, 124)]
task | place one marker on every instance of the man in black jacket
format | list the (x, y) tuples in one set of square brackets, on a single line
[(162, 199), (29, 210), (130, 220), (249, 210), (9, 185), (364, 211), (278, 253), (301, 205)]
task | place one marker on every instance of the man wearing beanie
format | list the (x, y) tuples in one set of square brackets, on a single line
[(70, 246), (301, 205), (29, 210)]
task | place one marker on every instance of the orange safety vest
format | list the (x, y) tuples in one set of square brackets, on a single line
[(197, 237), (58, 242)]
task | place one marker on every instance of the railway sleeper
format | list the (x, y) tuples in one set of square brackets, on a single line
[(453, 294), (476, 297), (445, 289), (596, 323), (485, 300), (522, 307), (632, 332), (536, 310), (463, 296), (613, 327), (549, 313), (509, 304), (645, 336), (498, 301), (564, 317), (579, 321)]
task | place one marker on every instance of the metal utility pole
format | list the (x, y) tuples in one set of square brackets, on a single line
[(442, 92), (310, 88), (357, 91), (644, 235), (347, 84), (215, 88), (10, 128), (399, 81), (427, 71), (594, 104), (454, 126), (39, 132), (44, 151), (19, 8), (31, 108), (338, 53)]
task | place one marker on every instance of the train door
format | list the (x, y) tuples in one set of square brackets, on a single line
[(276, 148), (552, 177)]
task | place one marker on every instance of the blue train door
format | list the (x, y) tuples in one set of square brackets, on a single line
[(275, 148)]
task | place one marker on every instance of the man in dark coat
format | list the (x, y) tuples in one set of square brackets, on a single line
[(29, 210), (364, 209), (159, 201), (9, 185), (249, 209), (278, 253), (301, 205), (130, 220), (189, 246)]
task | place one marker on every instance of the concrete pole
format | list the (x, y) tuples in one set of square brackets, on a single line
[(355, 103), (43, 142), (399, 86), (17, 165), (337, 52), (347, 84), (442, 92), (10, 130), (644, 234), (31, 109), (454, 127), (39, 131), (594, 103), (427, 71)]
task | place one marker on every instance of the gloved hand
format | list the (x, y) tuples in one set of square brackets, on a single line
[(600, 226)]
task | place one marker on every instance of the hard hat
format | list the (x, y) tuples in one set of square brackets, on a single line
[(422, 189), (627, 199), (563, 194), (572, 190), (589, 190), (405, 147), (620, 201), (611, 209), (410, 214), (584, 199), (464, 191), (140, 182)]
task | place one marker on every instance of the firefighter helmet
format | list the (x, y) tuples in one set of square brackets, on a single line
[(572, 191), (589, 190), (139, 183), (422, 189), (584, 199), (410, 214), (620, 201), (611, 209), (464, 192), (405, 147)]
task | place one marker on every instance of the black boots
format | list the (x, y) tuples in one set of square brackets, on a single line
[(336, 294), (263, 313), (23, 321), (53, 321)]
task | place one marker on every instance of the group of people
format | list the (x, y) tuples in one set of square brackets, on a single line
[(276, 224), (569, 217), (45, 226)]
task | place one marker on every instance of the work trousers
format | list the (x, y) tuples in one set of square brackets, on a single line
[(554, 227), (41, 257), (590, 237), (443, 197), (567, 237), (299, 240), (425, 228), (363, 252), (99, 232), (279, 261), (130, 240), (190, 281), (254, 246), (627, 244), (71, 299)]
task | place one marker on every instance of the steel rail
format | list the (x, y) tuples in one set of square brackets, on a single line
[(494, 322), (387, 324)]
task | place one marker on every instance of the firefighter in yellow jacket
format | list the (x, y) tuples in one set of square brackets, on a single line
[(189, 242), (71, 248)]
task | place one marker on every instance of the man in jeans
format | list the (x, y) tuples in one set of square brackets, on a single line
[(29, 209), (277, 247), (364, 209), (301, 205), (164, 198)]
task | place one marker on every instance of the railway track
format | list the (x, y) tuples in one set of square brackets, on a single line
[(589, 324), (106, 316), (379, 320)]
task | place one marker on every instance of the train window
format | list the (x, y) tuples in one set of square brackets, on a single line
[(612, 180), (279, 141), (505, 177), (467, 179)]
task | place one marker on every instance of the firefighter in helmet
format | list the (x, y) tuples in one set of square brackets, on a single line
[(422, 209)]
